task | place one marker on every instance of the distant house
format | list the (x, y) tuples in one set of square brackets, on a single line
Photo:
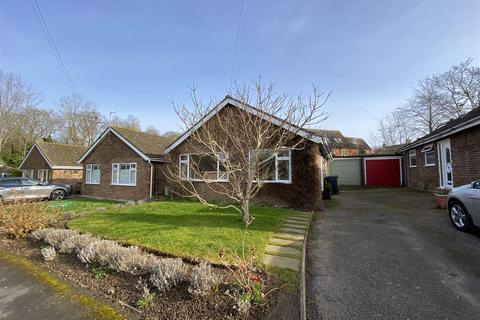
[(124, 164), (448, 157), (53, 162), (342, 146), (6, 171)]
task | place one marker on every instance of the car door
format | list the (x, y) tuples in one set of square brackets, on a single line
[(474, 202), (35, 189), (13, 189)]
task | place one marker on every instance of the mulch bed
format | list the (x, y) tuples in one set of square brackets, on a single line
[(121, 291)]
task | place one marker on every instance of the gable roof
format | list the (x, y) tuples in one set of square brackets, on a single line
[(464, 122), (304, 133), (336, 139), (146, 145), (58, 155)]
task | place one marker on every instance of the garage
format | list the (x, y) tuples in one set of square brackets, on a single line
[(383, 171), (347, 169)]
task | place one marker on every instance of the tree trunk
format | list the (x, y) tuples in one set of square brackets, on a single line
[(245, 211)]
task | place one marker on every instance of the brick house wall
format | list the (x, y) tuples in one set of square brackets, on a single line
[(113, 150), (465, 149), (36, 162), (303, 192)]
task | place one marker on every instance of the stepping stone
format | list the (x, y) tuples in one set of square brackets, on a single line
[(299, 219), (286, 242), (282, 262), (290, 230), (306, 214), (279, 250), (295, 226), (289, 236)]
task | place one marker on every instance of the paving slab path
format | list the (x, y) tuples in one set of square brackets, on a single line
[(285, 247)]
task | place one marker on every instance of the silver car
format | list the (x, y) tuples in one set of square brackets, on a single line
[(464, 206), (16, 188)]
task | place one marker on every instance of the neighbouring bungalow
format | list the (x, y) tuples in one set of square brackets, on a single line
[(124, 164), (446, 158), (54, 163), (298, 184), (342, 146)]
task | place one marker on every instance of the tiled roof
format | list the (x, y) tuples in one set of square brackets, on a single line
[(58, 154), (337, 140), (149, 144)]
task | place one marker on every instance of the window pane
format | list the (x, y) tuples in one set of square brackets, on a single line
[(183, 170), (266, 164), (95, 176), (283, 169), (283, 153), (124, 176), (114, 175), (430, 157), (203, 167), (133, 176)]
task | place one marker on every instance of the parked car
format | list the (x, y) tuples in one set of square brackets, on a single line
[(16, 188), (464, 206)]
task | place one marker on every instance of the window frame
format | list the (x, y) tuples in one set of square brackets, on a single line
[(344, 152), (40, 173), (32, 173), (119, 164), (87, 170), (411, 154), (277, 159), (434, 159), (187, 163)]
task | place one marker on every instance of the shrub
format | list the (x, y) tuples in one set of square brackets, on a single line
[(202, 279), (20, 218), (75, 243), (56, 236), (97, 252), (48, 253), (167, 273)]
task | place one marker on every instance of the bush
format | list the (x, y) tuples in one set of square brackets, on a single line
[(202, 279), (20, 218), (57, 236), (167, 273), (75, 243), (48, 253)]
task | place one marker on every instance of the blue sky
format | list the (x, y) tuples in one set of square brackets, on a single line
[(133, 57)]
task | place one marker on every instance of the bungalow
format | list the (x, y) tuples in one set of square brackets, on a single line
[(447, 157), (124, 164), (300, 183), (54, 163)]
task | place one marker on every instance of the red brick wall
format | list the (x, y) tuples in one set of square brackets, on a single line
[(112, 150), (303, 192), (465, 162), (466, 156)]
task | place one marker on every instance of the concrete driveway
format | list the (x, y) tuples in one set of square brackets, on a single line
[(388, 254)]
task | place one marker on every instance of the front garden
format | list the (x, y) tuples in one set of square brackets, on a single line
[(156, 261)]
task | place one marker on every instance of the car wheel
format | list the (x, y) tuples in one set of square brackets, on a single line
[(58, 194), (459, 216)]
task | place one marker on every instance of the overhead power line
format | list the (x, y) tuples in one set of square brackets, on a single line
[(53, 46), (237, 37)]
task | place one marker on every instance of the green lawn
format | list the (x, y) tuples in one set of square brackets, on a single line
[(184, 228), (80, 205)]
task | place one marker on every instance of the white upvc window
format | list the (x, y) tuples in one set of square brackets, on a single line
[(429, 155), (202, 167), (92, 174), (343, 152), (274, 167), (43, 175), (412, 158), (29, 173), (124, 174)]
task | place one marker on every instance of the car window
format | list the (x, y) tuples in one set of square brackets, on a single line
[(30, 182), (476, 184), (10, 183)]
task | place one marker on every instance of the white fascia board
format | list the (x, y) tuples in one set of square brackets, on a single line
[(469, 124), (67, 167), (30, 151), (102, 136), (225, 102)]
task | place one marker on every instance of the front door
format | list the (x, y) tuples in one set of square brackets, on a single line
[(446, 169)]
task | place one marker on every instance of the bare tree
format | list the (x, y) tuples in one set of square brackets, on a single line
[(130, 122), (15, 96), (394, 129), (152, 130), (35, 124), (81, 122), (461, 88), (242, 144)]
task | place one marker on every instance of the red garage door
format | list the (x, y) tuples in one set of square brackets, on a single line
[(384, 171)]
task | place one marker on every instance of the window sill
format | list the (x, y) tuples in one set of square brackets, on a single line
[(94, 183), (123, 185), (429, 165), (412, 166)]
